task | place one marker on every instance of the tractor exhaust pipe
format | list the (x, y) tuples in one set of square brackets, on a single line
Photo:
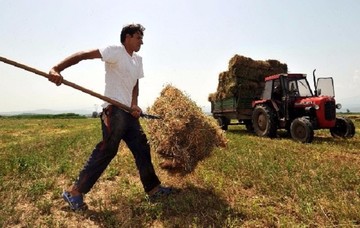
[(315, 85)]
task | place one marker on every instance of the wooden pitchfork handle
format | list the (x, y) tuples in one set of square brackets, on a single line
[(75, 86)]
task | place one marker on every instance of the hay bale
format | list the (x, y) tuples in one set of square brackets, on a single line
[(185, 135), (242, 73)]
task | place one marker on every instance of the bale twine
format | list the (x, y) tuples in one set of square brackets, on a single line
[(185, 135)]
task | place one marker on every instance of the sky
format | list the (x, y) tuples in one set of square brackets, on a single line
[(187, 44)]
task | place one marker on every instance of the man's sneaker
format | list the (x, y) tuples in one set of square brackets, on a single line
[(163, 191), (76, 203)]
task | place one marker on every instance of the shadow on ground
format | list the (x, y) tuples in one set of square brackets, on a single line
[(190, 206)]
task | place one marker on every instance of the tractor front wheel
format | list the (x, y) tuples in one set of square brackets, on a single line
[(344, 128), (301, 130)]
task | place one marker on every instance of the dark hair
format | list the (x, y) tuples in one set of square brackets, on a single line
[(131, 29)]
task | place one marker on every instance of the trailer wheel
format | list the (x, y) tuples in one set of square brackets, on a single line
[(301, 130), (344, 128), (264, 121), (223, 123)]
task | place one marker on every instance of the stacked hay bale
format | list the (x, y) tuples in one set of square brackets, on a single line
[(185, 135), (245, 77)]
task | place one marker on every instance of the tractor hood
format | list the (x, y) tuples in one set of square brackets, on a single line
[(314, 102)]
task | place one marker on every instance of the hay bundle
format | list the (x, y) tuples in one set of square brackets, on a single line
[(244, 73), (185, 135)]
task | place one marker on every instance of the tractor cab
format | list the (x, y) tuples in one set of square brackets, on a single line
[(280, 85), (284, 93)]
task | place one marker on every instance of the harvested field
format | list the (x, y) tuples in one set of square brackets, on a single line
[(253, 182)]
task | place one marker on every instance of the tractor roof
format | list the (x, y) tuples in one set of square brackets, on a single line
[(276, 76)]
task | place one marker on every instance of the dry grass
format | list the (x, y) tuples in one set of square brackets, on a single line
[(253, 182), (245, 76), (185, 135)]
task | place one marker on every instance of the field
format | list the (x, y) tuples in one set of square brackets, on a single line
[(254, 182)]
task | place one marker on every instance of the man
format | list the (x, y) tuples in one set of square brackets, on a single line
[(123, 69)]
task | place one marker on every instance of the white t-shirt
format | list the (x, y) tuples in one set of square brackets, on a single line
[(121, 73)]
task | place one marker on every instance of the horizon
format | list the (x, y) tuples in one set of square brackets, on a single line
[(355, 108)]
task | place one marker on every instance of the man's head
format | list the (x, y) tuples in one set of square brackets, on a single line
[(131, 37), (131, 29)]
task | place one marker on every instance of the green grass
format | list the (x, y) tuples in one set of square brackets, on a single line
[(254, 182)]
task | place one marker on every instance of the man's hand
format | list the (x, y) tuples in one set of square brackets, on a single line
[(55, 77), (136, 111)]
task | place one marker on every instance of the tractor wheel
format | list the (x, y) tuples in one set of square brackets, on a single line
[(344, 128), (351, 129), (301, 130), (223, 123), (249, 126), (264, 121)]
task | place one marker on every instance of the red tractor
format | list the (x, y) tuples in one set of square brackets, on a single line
[(287, 102)]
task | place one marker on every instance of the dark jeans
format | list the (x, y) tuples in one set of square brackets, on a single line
[(120, 125)]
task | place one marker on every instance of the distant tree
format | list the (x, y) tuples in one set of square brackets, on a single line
[(347, 110), (95, 115)]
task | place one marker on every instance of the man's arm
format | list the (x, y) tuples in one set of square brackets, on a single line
[(135, 94), (134, 101), (54, 73)]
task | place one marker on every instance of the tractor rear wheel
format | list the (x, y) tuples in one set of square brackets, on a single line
[(344, 128), (301, 130), (264, 121)]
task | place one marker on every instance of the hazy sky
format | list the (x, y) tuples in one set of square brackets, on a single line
[(187, 43)]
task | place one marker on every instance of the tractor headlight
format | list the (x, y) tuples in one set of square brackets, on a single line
[(313, 108), (338, 106)]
